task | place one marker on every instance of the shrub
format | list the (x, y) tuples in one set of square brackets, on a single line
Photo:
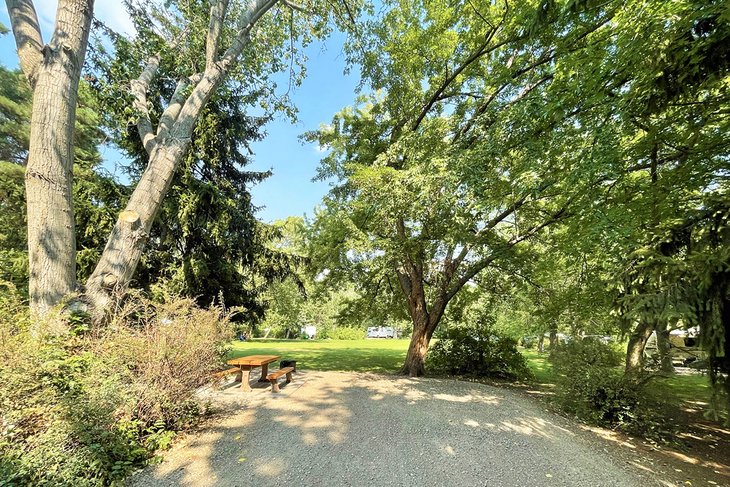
[(591, 386), (87, 407), (347, 333), (584, 353), (478, 351)]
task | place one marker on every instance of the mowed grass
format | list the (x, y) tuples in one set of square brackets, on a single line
[(678, 389), (387, 356), (374, 355), (539, 365)]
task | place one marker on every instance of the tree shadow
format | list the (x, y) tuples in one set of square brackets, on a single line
[(328, 428)]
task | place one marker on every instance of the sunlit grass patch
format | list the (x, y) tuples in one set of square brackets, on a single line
[(374, 355)]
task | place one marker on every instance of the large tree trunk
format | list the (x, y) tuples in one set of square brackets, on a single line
[(166, 147), (635, 349), (126, 242), (53, 72), (415, 364)]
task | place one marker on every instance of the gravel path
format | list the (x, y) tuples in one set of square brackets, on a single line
[(347, 429)]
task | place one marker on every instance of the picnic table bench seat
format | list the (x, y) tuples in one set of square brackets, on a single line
[(274, 376)]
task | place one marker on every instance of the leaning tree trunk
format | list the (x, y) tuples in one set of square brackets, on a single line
[(165, 147), (126, 242), (635, 350), (53, 71)]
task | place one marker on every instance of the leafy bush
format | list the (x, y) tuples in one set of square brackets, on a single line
[(584, 353), (591, 386), (347, 333), (479, 351), (85, 408)]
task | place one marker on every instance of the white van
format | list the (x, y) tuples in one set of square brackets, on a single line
[(381, 332)]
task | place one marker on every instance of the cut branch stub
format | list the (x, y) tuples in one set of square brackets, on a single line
[(129, 216), (109, 280)]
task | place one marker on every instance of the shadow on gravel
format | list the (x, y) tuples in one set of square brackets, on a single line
[(361, 429)]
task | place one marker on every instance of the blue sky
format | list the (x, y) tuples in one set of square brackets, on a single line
[(326, 90)]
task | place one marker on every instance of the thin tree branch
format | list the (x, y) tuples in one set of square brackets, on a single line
[(482, 50), (294, 6)]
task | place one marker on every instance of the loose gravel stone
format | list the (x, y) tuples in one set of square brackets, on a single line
[(334, 429)]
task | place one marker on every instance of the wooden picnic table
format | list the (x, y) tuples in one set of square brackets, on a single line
[(246, 364)]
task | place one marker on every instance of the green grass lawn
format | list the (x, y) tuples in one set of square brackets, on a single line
[(676, 390), (374, 355), (387, 356), (539, 366)]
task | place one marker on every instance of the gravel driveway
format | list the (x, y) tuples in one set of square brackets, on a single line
[(338, 429)]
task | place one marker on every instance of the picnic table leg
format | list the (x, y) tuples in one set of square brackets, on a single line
[(245, 373), (264, 373)]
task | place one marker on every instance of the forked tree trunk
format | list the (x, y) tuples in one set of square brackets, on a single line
[(53, 71), (166, 148), (635, 350)]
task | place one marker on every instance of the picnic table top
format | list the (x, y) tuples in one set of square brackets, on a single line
[(254, 360)]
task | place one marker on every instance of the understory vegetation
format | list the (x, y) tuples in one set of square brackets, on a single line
[(477, 349), (89, 406), (591, 385)]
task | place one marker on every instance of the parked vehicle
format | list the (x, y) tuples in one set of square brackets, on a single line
[(381, 332), (683, 346)]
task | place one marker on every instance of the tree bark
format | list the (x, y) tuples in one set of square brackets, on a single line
[(53, 72), (635, 349), (553, 339), (126, 242), (664, 347), (415, 363)]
